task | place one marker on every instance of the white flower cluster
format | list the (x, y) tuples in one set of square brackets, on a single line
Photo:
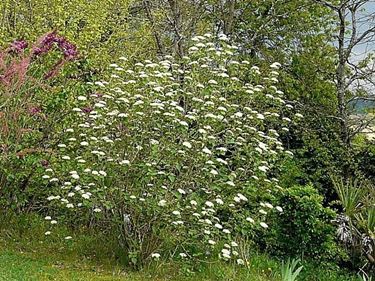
[(192, 142)]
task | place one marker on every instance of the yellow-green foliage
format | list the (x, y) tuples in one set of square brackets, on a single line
[(98, 27)]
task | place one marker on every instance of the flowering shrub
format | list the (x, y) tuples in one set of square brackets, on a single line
[(25, 125), (178, 155)]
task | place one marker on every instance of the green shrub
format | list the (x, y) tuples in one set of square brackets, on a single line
[(305, 227)]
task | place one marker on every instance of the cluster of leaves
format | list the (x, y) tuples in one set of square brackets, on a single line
[(305, 229), (356, 224), (188, 147)]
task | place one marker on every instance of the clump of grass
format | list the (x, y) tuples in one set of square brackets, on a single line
[(289, 270)]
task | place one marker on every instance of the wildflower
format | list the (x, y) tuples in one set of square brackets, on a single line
[(47, 233), (68, 237), (211, 242), (48, 218), (53, 222)]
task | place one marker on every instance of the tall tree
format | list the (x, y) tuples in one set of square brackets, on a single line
[(355, 31)]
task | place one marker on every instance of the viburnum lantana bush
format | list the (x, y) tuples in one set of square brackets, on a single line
[(180, 156)]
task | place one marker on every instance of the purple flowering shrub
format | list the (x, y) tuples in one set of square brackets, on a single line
[(15, 61), (25, 126)]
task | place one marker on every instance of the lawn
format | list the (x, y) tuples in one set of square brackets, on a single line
[(26, 254)]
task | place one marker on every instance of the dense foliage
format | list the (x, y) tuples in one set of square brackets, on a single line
[(192, 130)]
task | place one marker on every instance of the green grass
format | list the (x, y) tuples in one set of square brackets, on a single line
[(26, 254)]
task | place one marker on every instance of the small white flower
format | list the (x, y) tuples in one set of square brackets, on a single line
[(45, 177), (209, 204), (53, 222), (97, 210), (299, 115), (176, 213), (219, 201), (207, 151), (214, 172), (85, 196), (187, 144), (47, 218), (268, 205), (242, 197), (155, 256), (279, 209), (182, 255), (231, 183), (211, 242), (264, 225), (240, 262), (162, 203), (219, 226), (84, 143), (249, 220), (181, 191), (47, 233), (263, 168), (68, 237), (81, 98)]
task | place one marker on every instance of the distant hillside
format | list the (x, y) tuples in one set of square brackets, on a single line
[(362, 106)]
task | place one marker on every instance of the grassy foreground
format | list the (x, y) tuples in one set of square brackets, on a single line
[(26, 254)]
